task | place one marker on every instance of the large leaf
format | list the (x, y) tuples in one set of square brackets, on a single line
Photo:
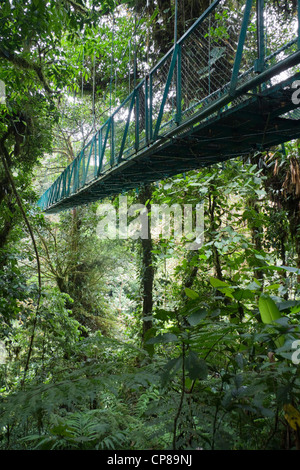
[(196, 367), (197, 316), (222, 287), (171, 369), (191, 294), (269, 311)]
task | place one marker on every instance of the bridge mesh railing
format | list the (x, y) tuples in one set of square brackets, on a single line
[(158, 83), (196, 72), (207, 59)]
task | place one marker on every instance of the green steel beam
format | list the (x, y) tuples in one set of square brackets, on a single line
[(137, 121), (112, 140), (96, 154), (166, 91), (86, 170), (298, 11), (240, 47), (260, 62), (147, 116), (98, 171), (104, 146), (126, 128), (178, 88)]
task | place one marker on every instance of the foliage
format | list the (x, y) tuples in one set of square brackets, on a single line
[(235, 392), (219, 367)]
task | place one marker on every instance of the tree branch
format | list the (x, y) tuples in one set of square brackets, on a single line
[(3, 154), (25, 64)]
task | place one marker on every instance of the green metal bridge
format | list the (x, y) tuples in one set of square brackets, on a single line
[(228, 87)]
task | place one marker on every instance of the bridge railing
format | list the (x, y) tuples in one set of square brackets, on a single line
[(222, 50)]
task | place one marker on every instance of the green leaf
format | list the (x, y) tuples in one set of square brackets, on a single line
[(170, 369), (243, 294), (273, 287), (255, 285), (196, 317), (282, 268), (164, 315), (196, 367), (292, 305), (191, 294), (163, 338), (217, 283), (222, 287), (295, 309), (269, 311)]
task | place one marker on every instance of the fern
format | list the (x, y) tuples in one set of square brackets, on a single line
[(112, 442), (80, 431), (150, 395)]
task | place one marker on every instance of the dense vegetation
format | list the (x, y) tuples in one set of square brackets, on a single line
[(136, 344)]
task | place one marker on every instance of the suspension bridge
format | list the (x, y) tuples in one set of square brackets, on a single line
[(227, 88)]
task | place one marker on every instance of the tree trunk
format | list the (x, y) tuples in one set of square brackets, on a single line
[(214, 226), (256, 234), (147, 271)]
